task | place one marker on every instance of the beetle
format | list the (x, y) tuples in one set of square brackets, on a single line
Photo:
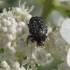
[(37, 30)]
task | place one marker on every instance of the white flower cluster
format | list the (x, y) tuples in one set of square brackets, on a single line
[(15, 65), (65, 33), (12, 29), (14, 51)]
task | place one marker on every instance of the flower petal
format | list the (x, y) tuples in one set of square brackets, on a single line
[(65, 30), (68, 58)]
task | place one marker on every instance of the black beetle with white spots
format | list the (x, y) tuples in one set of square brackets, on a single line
[(38, 29)]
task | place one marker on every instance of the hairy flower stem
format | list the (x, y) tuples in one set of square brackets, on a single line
[(47, 9)]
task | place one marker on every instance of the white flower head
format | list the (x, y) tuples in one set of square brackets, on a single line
[(22, 11), (12, 29)]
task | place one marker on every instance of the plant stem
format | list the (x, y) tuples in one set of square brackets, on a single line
[(47, 9)]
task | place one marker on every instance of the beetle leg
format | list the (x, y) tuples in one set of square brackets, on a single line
[(30, 36), (28, 25), (32, 40)]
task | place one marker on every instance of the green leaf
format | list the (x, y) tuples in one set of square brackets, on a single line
[(47, 9)]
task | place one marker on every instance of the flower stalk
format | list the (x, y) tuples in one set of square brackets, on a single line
[(47, 9), (51, 5)]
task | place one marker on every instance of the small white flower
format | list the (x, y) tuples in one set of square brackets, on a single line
[(6, 22), (9, 37), (18, 10), (4, 29), (7, 44), (20, 31), (36, 56), (12, 50), (15, 65), (22, 12), (4, 64), (21, 24), (12, 20), (27, 17), (12, 30), (41, 53), (14, 24), (48, 56)]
